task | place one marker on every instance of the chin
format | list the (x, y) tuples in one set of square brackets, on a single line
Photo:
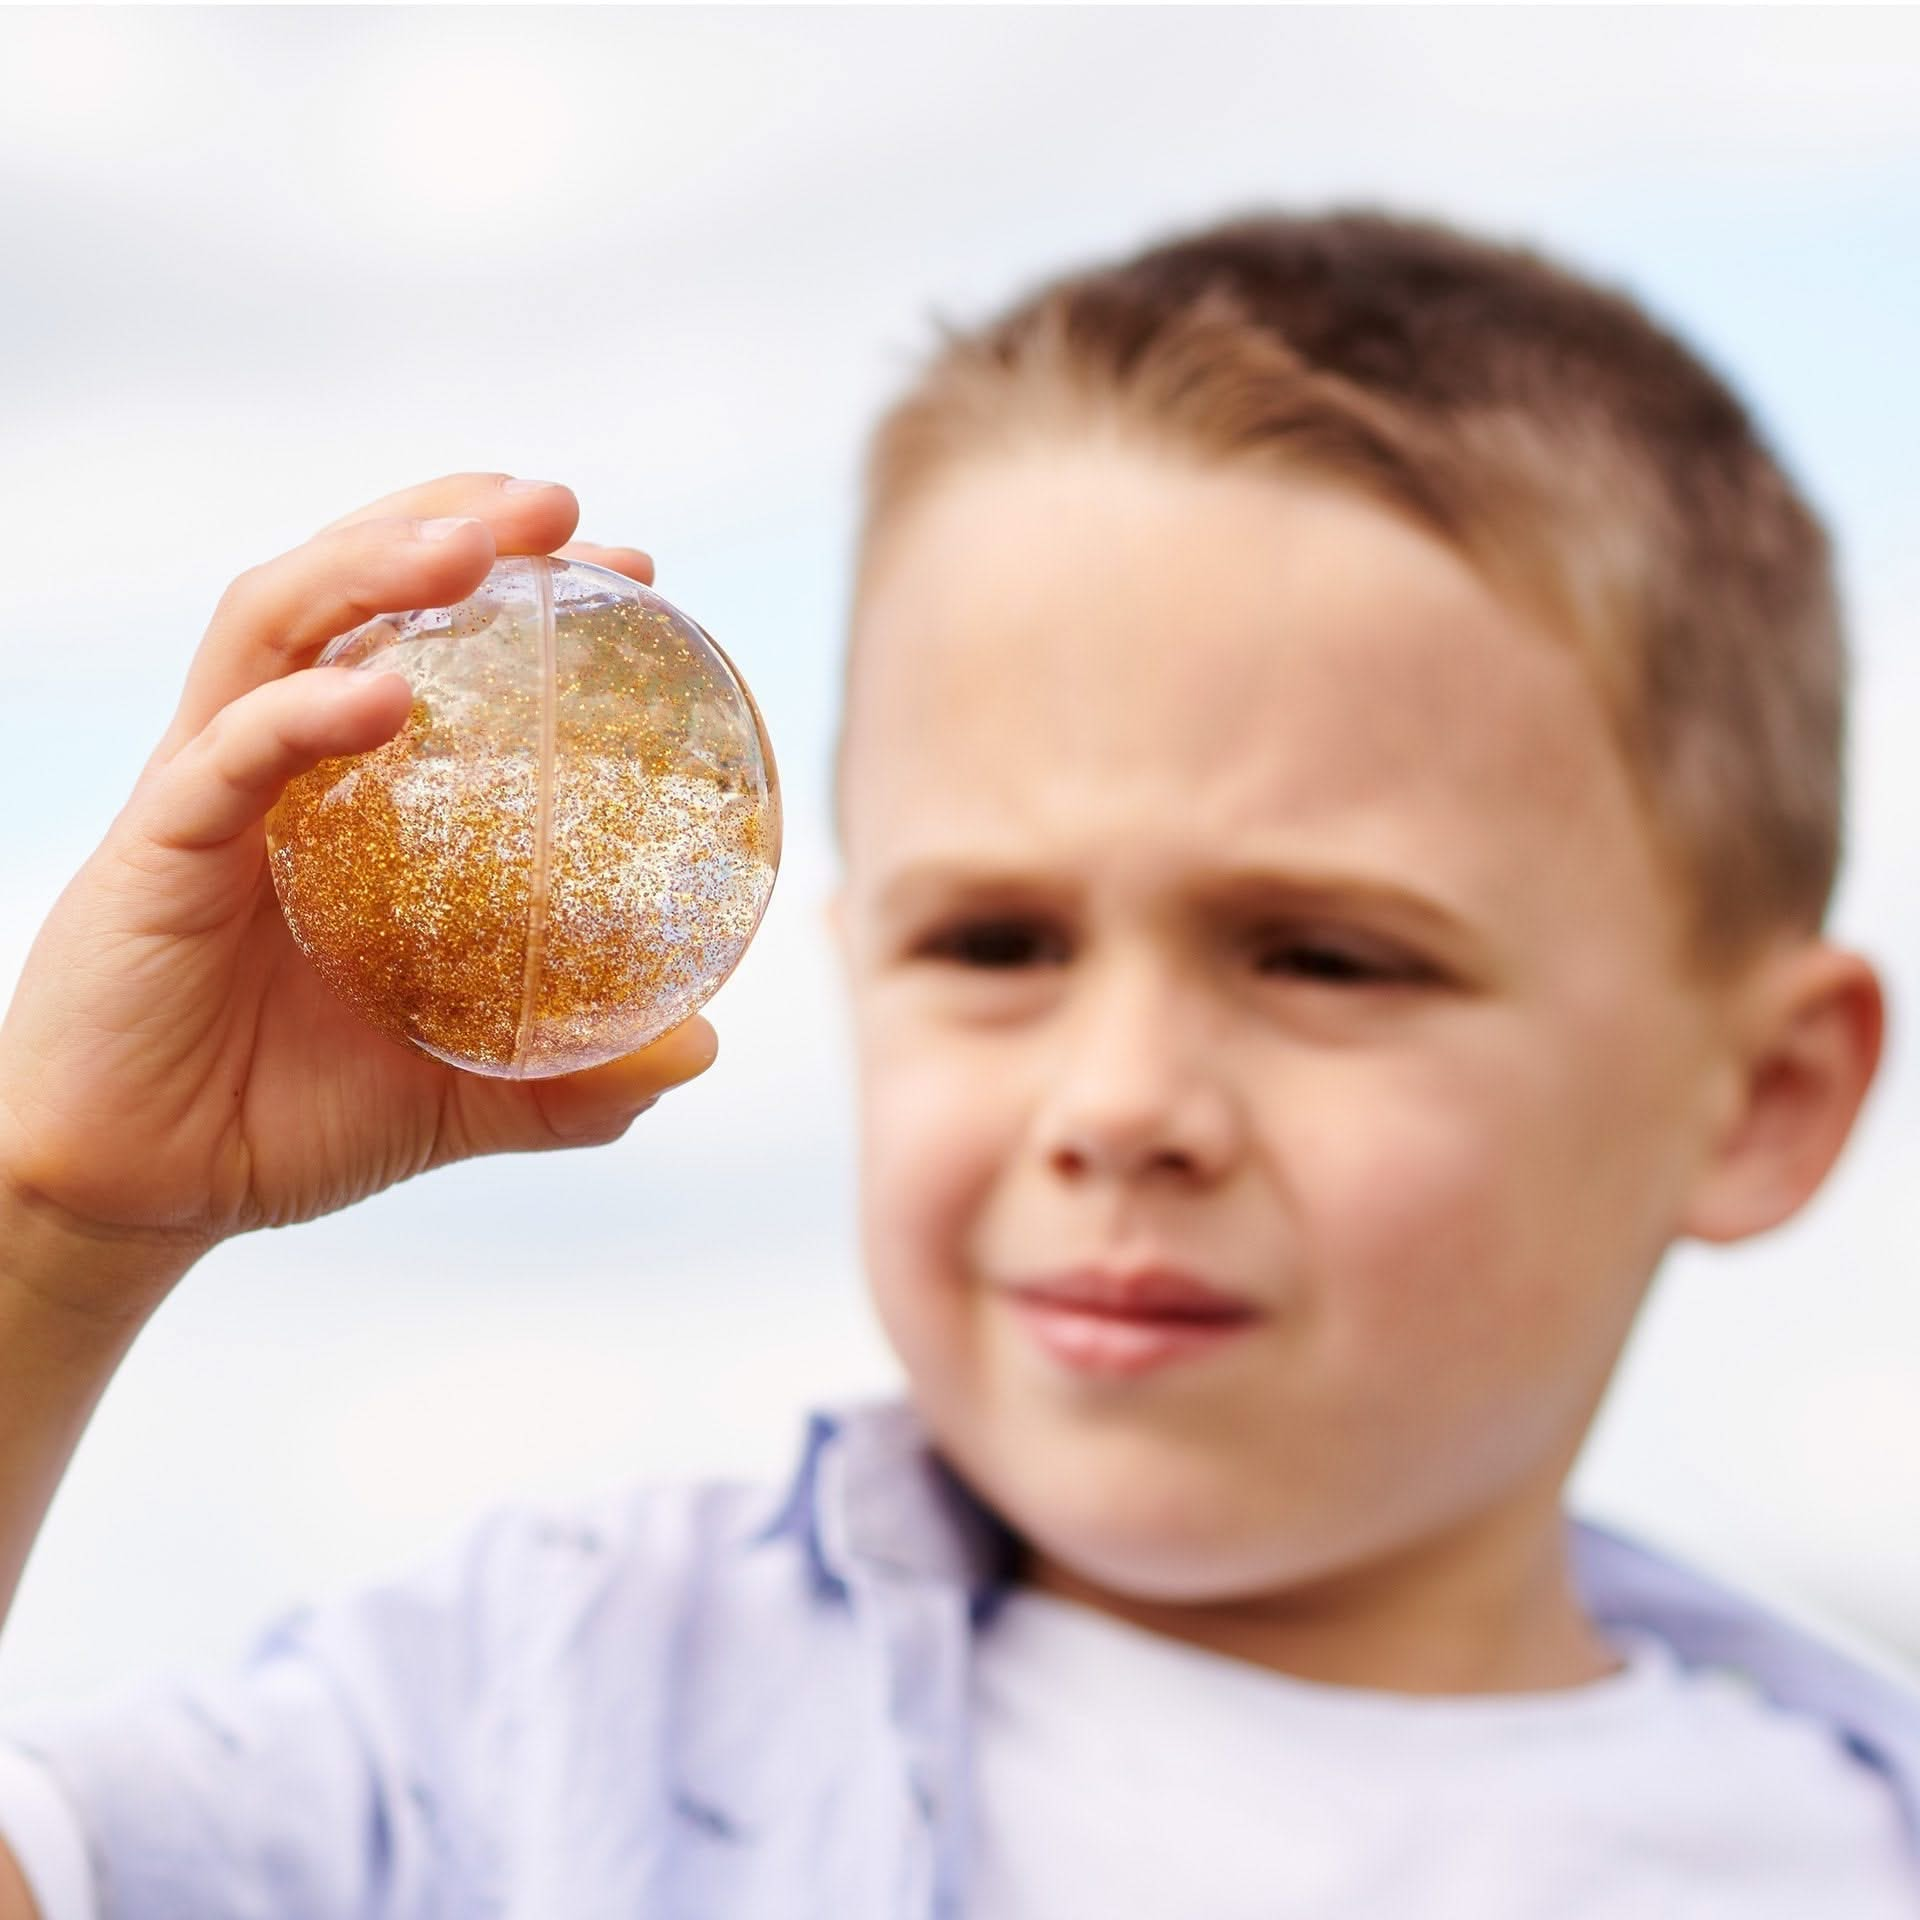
[(1153, 1568), (1128, 1511)]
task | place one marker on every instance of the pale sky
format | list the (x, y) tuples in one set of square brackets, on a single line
[(264, 264)]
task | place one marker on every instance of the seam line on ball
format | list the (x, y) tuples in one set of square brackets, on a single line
[(547, 772)]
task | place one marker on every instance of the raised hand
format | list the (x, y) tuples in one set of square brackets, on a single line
[(172, 1071)]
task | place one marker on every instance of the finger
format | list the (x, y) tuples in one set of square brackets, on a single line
[(527, 516), (631, 561), (274, 617), (221, 784), (577, 1109)]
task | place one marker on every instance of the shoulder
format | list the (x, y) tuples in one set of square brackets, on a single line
[(525, 1580), (410, 1731), (651, 1537), (1863, 1703)]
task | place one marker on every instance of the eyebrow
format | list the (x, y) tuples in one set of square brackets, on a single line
[(1296, 890)]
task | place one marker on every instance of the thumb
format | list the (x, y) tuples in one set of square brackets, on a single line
[(584, 1109)]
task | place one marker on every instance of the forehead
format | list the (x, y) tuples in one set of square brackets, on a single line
[(1094, 655)]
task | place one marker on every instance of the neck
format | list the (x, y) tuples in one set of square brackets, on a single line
[(1487, 1608)]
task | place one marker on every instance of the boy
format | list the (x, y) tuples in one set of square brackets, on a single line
[(1339, 798)]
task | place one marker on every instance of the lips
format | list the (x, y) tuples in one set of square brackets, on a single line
[(1144, 1293), (1093, 1321)]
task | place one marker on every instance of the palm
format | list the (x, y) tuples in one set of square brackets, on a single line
[(294, 1105), (333, 1110)]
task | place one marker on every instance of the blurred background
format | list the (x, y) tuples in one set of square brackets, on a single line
[(262, 265)]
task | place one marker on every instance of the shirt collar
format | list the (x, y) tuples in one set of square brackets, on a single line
[(872, 1497)]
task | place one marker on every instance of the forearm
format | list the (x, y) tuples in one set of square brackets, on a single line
[(56, 1357)]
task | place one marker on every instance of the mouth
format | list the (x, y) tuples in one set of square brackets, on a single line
[(1100, 1321)]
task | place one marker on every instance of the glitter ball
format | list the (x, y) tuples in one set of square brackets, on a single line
[(566, 848)]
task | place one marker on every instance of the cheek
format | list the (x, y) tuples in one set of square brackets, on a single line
[(938, 1131), (938, 1127), (1437, 1210), (1405, 1211)]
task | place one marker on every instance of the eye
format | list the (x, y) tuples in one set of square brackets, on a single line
[(1331, 962), (999, 942)]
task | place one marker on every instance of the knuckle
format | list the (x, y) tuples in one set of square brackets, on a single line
[(348, 588), (228, 731), (359, 543), (218, 751), (243, 593), (576, 1129), (472, 481), (352, 606), (463, 482), (375, 530), (217, 734), (266, 604), (393, 506)]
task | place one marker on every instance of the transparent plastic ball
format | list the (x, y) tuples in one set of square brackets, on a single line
[(567, 847)]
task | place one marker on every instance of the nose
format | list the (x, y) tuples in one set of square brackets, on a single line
[(1140, 1088)]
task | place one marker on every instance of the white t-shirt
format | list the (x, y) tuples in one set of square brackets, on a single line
[(1122, 1774)]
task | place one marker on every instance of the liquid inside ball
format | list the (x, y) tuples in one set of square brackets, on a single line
[(567, 847)]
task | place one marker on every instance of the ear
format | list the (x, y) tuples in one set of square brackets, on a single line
[(1808, 1036)]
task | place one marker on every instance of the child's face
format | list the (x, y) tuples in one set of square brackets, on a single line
[(1235, 886)]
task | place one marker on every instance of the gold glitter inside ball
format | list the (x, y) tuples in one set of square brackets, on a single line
[(567, 847)]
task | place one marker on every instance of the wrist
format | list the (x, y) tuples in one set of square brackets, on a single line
[(85, 1281)]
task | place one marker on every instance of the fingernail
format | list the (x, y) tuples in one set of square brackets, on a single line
[(441, 529), (527, 486)]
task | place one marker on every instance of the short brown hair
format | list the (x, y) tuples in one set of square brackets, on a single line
[(1581, 457)]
